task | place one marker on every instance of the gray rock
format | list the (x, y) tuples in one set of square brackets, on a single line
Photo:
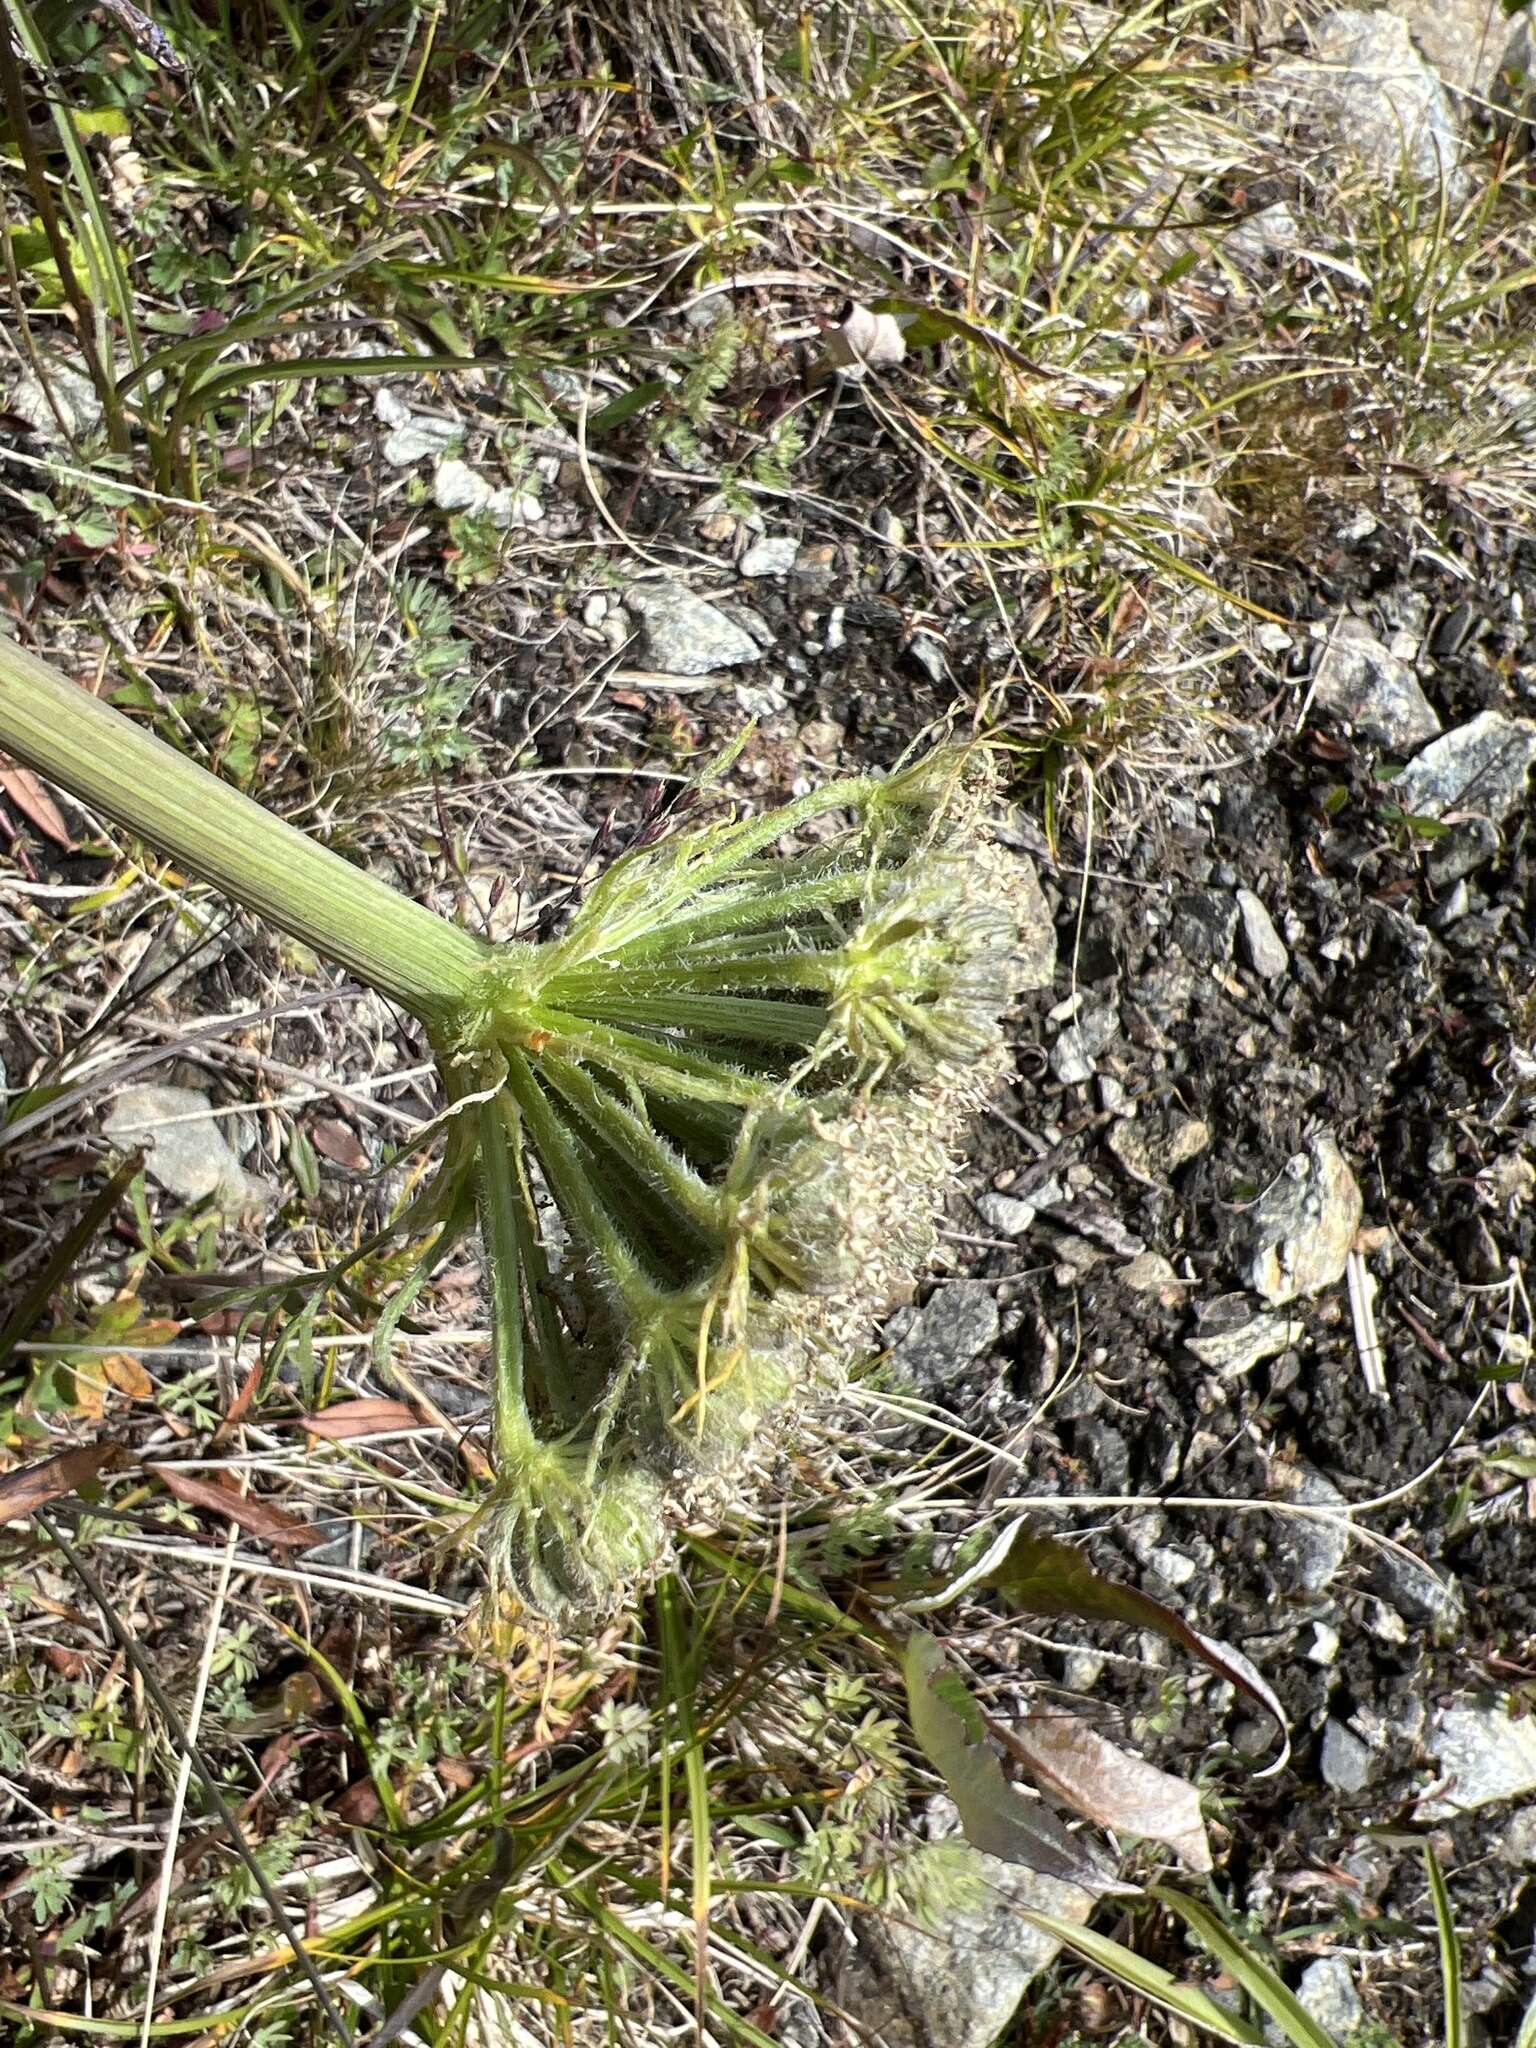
[(1304, 1224), (686, 636), (1152, 1150), (1484, 1754), (1080, 1043), (1361, 681), (1309, 1549), (1467, 41), (186, 1150), (1204, 925), (1233, 1336), (1367, 92), (956, 1325), (412, 437), (1347, 1762), (1418, 1594), (1148, 1273), (773, 555), (1517, 1844), (76, 408), (959, 1986), (1481, 768), (1263, 947), (1327, 1991), (1007, 1215), (458, 488)]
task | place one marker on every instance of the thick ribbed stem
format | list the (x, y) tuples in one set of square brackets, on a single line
[(396, 946)]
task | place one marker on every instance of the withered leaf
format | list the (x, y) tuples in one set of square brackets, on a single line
[(247, 1511), (32, 1487), (373, 1415), (1080, 1768)]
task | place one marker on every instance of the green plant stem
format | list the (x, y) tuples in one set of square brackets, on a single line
[(394, 945)]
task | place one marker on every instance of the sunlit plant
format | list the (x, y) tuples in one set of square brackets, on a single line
[(703, 1132)]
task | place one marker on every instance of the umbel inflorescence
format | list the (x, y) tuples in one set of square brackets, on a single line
[(709, 1129), (703, 1133)]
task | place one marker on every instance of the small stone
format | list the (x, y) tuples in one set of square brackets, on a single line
[(1204, 925), (186, 1150), (955, 1326), (1347, 1762), (815, 567), (1465, 40), (1148, 1273), (1481, 767), (1517, 1844), (458, 488), (1325, 1644), (1327, 1991), (1419, 1595), (1233, 1336), (508, 507), (773, 555), (1368, 93), (1309, 1549), (1303, 1226), (1079, 1045), (1152, 1151), (929, 655), (685, 635), (75, 410), (1263, 947), (412, 437), (1006, 1213), (959, 1985), (1363, 683), (1484, 1755)]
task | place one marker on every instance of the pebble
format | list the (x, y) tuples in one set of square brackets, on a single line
[(1309, 1549), (1482, 766), (1204, 925), (1486, 1755), (1233, 1336), (1367, 92), (1148, 1273), (959, 1985), (685, 635), (186, 1150), (773, 555), (1079, 1045), (956, 1325), (1347, 1762), (458, 488), (1263, 946), (1303, 1226), (1152, 1151), (1006, 1214), (1327, 1991), (1364, 683)]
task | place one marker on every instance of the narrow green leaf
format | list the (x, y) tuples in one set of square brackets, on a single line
[(995, 1816), (1247, 1969), (1450, 1953), (1150, 1979)]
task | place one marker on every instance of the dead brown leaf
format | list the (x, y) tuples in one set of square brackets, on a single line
[(372, 1416), (34, 803), (248, 1511), (1075, 1765), (32, 1487), (339, 1143), (125, 1372)]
